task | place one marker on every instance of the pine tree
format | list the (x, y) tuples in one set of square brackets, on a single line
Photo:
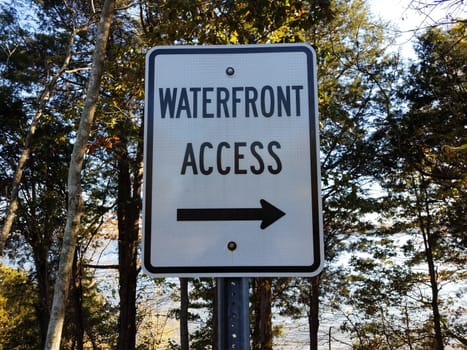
[(422, 154)]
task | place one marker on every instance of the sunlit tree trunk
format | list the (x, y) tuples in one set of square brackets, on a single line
[(62, 285)]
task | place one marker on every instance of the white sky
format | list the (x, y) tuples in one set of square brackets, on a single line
[(407, 19)]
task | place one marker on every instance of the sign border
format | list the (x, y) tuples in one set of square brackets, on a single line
[(234, 271)]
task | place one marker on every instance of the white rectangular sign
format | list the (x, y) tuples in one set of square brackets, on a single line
[(232, 179)]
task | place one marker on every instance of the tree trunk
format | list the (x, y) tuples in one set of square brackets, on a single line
[(262, 332), (427, 237), (74, 212), (425, 223), (313, 312), (184, 340), (215, 317), (128, 208), (43, 304), (76, 298)]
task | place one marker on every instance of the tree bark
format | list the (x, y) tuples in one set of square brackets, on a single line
[(313, 312), (262, 333), (215, 317), (128, 208), (40, 256), (425, 223), (184, 340), (76, 296), (74, 210), (428, 240)]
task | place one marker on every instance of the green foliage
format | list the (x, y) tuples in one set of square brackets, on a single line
[(423, 172), (91, 312), (19, 326), (380, 299), (355, 79), (426, 156), (231, 22), (12, 123), (29, 58), (411, 138), (202, 297)]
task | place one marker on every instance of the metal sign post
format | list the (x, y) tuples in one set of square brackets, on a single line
[(233, 313)]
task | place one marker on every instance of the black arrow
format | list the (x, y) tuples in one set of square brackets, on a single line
[(268, 214)]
